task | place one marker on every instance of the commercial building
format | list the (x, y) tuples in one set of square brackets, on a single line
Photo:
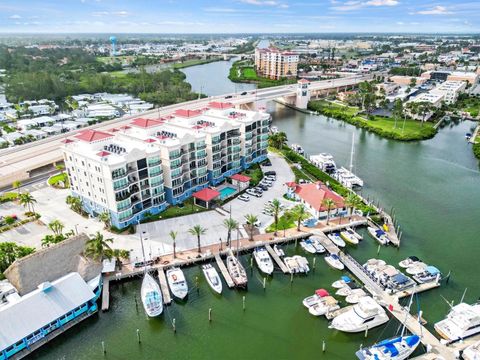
[(450, 89), (433, 98), (407, 80), (276, 64), (140, 168)]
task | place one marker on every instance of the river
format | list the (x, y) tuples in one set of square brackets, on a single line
[(433, 186)]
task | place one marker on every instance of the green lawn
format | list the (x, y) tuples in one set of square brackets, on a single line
[(175, 211), (255, 173), (284, 222), (56, 179), (8, 196)]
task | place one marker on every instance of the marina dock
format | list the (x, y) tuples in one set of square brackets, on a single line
[(277, 259), (106, 295), (167, 299), (224, 271)]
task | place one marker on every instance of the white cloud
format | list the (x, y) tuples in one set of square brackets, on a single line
[(265, 3), (220, 10), (15, 16), (355, 4), (120, 13), (114, 13), (382, 2), (436, 10)]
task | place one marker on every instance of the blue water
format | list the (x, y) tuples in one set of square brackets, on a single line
[(226, 192)]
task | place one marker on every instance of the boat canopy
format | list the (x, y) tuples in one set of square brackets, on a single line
[(414, 258), (400, 279), (322, 292), (432, 270), (346, 279), (379, 232)]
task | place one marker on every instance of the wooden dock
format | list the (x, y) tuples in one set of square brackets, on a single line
[(106, 295), (167, 299), (277, 259), (224, 271)]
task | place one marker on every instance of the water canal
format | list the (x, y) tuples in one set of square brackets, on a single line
[(433, 186)]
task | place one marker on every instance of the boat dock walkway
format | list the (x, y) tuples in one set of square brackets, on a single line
[(224, 271), (106, 295), (387, 300), (167, 299), (277, 259)]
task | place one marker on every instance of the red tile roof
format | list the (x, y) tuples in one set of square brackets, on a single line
[(291, 184), (93, 135), (315, 194), (103, 153), (187, 113), (206, 194), (67, 141), (220, 105), (240, 177), (146, 123)]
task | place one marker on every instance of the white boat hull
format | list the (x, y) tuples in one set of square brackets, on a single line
[(336, 264), (151, 296), (337, 240), (177, 283), (213, 278), (263, 260)]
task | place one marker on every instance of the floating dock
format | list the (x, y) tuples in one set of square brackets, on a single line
[(106, 295), (224, 271), (167, 299), (277, 259)]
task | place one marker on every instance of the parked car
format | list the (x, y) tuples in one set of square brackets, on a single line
[(270, 178), (267, 163), (228, 97), (244, 197), (267, 182), (263, 187), (267, 212), (269, 173), (258, 190), (244, 93), (253, 193)]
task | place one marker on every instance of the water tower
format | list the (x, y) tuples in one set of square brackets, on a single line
[(113, 40)]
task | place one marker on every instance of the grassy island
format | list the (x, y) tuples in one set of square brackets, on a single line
[(383, 126)]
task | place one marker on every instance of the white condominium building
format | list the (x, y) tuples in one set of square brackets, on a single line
[(450, 89), (276, 64), (142, 167)]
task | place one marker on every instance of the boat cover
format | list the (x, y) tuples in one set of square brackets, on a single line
[(432, 270), (346, 279), (414, 258), (322, 292), (400, 279)]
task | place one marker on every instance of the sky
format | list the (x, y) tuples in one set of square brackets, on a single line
[(238, 16)]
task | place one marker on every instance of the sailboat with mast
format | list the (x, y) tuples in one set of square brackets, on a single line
[(346, 176), (150, 291), (396, 348)]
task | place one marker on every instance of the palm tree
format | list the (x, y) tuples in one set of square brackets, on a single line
[(397, 111), (329, 203), (230, 224), (56, 226), (98, 248), (198, 230), (105, 218), (299, 213), (278, 139), (276, 208), (351, 201), (251, 221), (27, 200), (173, 235), (75, 203), (119, 254)]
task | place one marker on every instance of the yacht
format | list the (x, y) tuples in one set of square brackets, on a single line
[(334, 261), (177, 283), (367, 314), (213, 279), (236, 271), (151, 296), (336, 239), (349, 238), (462, 321), (431, 273), (317, 245), (379, 235), (398, 348), (409, 261), (347, 178), (263, 259), (307, 245), (297, 148), (324, 162), (344, 280), (472, 352)]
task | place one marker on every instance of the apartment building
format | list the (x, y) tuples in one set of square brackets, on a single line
[(143, 167), (276, 64), (450, 89)]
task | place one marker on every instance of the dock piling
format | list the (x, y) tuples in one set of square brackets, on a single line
[(104, 349), (243, 302), (210, 314), (314, 261), (366, 332), (324, 346), (138, 336), (174, 325), (264, 282)]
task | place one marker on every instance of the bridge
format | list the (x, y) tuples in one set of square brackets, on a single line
[(25, 161)]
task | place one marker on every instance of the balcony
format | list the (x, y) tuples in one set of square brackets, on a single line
[(201, 147), (156, 173), (131, 170), (119, 175), (154, 163), (176, 155), (135, 199), (121, 187), (122, 196), (124, 207)]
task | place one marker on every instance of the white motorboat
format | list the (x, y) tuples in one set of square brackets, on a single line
[(308, 246), (379, 235), (177, 283), (324, 162), (344, 291), (349, 238), (317, 244), (416, 268), (263, 260), (297, 148), (347, 178), (311, 300), (273, 129), (355, 296), (336, 239), (302, 264), (342, 282), (291, 265), (237, 271), (462, 321), (213, 278), (354, 233), (325, 305), (366, 314), (374, 264), (278, 250), (151, 296), (409, 261), (334, 261), (472, 352), (431, 273), (397, 348)]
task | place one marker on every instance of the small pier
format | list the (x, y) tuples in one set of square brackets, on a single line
[(224, 271), (277, 259), (106, 295), (418, 289), (167, 299)]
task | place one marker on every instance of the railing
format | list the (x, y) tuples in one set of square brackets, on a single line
[(121, 187), (201, 147), (121, 197), (125, 207), (176, 156), (154, 163), (156, 173), (117, 176)]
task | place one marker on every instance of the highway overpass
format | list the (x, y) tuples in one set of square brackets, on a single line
[(21, 162)]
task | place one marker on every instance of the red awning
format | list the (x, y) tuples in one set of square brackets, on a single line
[(206, 194), (240, 177)]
